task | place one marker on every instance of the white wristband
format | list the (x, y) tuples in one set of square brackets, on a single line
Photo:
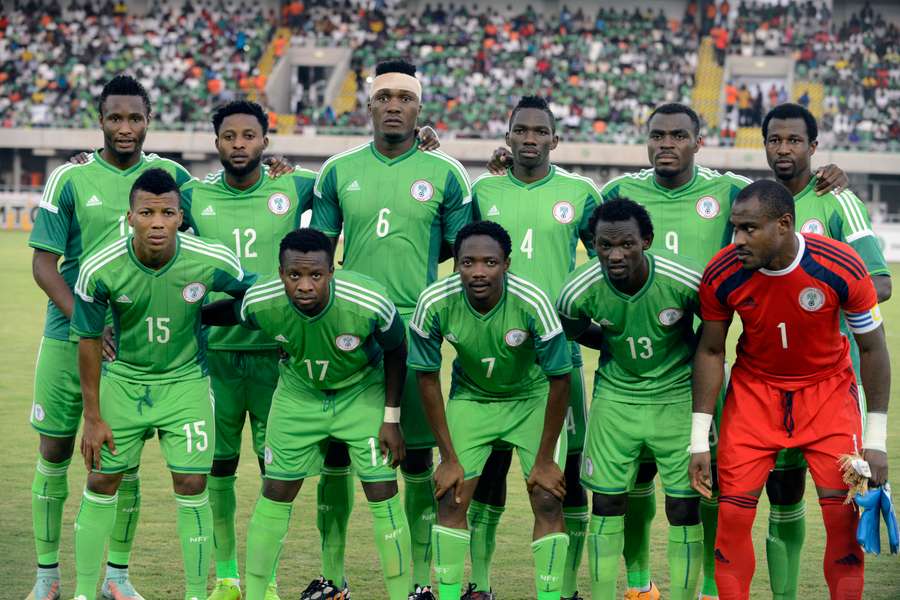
[(875, 437), (700, 424), (391, 414)]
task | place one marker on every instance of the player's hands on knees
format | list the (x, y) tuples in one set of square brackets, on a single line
[(830, 178), (96, 433), (449, 477), (428, 139), (278, 166), (878, 464), (547, 474), (500, 161), (391, 441), (109, 344), (699, 471), (80, 158)]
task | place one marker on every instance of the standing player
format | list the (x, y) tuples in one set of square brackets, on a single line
[(546, 210), (244, 209), (397, 206), (790, 135), (637, 307), (83, 206), (343, 380), (509, 342), (154, 283), (792, 385)]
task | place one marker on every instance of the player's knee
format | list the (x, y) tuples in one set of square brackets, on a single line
[(281, 491), (609, 505), (683, 512), (646, 472), (491, 488), (547, 507), (379, 491), (452, 513), (417, 461), (224, 467), (188, 484), (338, 455), (786, 486), (575, 493), (56, 449), (104, 483)]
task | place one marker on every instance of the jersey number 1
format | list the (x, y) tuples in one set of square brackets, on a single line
[(783, 327)]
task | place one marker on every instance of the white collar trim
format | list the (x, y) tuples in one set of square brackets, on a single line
[(801, 248)]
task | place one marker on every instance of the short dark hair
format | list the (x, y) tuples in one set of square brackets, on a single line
[(533, 102), (395, 66), (240, 107), (156, 181), (124, 85), (488, 228), (775, 199), (790, 110), (676, 108), (622, 209), (306, 239)]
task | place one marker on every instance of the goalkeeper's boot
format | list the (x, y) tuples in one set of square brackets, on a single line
[(226, 589), (325, 589), (117, 587), (46, 585), (472, 594), (636, 594), (422, 593), (574, 596)]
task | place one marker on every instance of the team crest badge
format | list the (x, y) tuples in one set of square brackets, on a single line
[(515, 337), (279, 203), (812, 299), (450, 337), (588, 466), (267, 455), (347, 342), (38, 412), (193, 292), (670, 316), (708, 207), (813, 226), (564, 212), (422, 190)]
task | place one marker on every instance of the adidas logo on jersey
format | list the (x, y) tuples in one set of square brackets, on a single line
[(281, 338), (209, 211), (94, 201), (494, 211), (123, 299), (353, 187)]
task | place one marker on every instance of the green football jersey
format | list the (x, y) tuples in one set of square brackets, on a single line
[(251, 223), (83, 207), (649, 339), (336, 348), (156, 313), (690, 221), (545, 220), (503, 355), (395, 214)]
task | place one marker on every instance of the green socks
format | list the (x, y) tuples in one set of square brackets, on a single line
[(483, 522), (638, 519), (606, 538), (195, 530), (334, 496), (684, 553), (549, 564), (450, 547), (420, 511), (265, 537), (787, 529), (93, 525), (709, 516), (576, 518), (223, 502), (392, 541), (49, 491), (128, 510)]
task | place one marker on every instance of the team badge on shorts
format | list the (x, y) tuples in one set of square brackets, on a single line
[(515, 337), (193, 292), (267, 455), (347, 342), (708, 207), (564, 212), (422, 190), (812, 299), (38, 412), (588, 466), (279, 203), (670, 316), (813, 226)]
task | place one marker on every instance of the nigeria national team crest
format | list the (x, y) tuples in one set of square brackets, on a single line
[(813, 226), (670, 316), (38, 412), (564, 212), (588, 466), (708, 207), (515, 337), (422, 190), (267, 455), (812, 299), (193, 292), (279, 203), (347, 342)]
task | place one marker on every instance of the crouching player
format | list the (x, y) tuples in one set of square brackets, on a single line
[(510, 385)]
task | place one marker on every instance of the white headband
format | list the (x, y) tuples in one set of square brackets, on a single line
[(396, 81)]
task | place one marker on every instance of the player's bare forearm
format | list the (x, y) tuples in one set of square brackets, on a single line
[(709, 366), (433, 405), (394, 374), (554, 415), (46, 275), (883, 287), (875, 369), (90, 356), (221, 313), (592, 337)]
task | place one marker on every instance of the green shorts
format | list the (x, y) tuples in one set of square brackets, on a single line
[(617, 434), (476, 427), (243, 384), (182, 413), (576, 415), (302, 421), (56, 408), (416, 430)]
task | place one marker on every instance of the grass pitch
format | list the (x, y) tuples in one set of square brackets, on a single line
[(156, 560)]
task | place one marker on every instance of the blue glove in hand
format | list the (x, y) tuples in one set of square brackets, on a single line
[(890, 519), (868, 532)]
